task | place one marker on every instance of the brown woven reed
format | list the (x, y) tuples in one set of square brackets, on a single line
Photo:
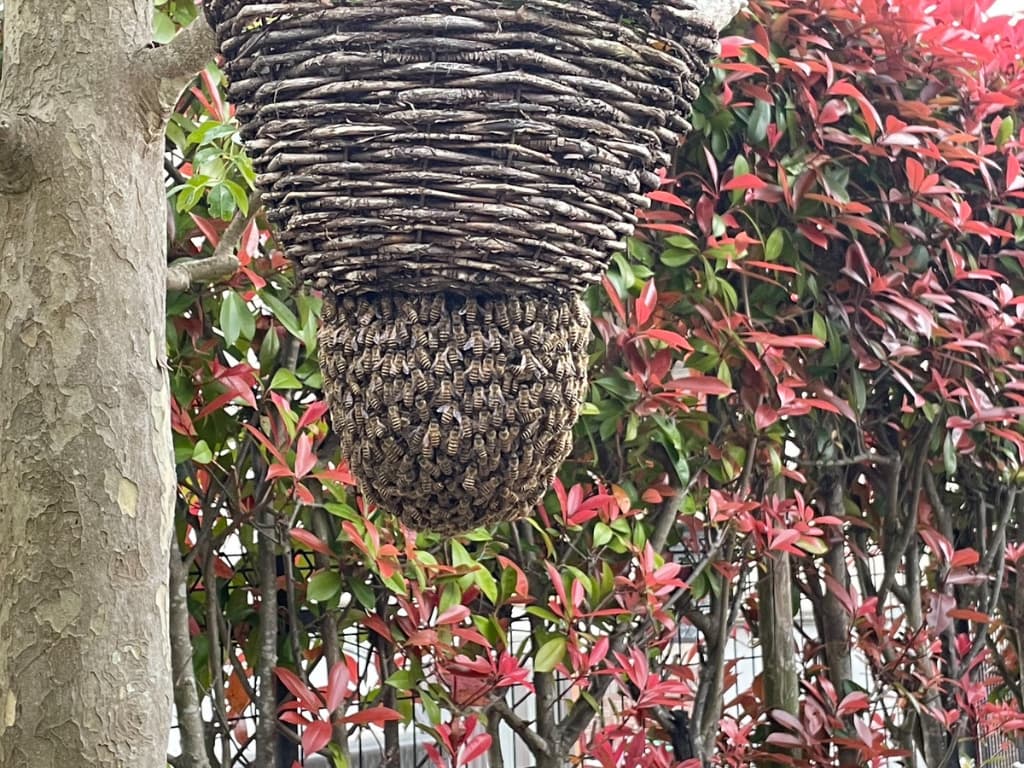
[(470, 146), (454, 412)]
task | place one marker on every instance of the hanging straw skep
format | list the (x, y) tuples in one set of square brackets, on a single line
[(452, 175)]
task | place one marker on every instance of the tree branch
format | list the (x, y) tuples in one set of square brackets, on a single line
[(183, 273), (174, 64), (536, 743), (15, 159), (186, 697)]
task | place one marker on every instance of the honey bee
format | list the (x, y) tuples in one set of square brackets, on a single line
[(435, 309), (419, 336), (392, 452), (394, 418), (431, 440), (470, 310), (377, 429), (477, 344), (469, 480), (373, 399), (409, 312), (444, 393), (501, 316), (421, 358), (529, 312), (479, 401), (451, 446), (441, 366), (422, 409)]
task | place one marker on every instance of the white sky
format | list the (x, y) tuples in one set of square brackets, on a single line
[(1007, 8)]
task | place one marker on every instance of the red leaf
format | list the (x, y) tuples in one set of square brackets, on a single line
[(337, 685), (868, 112), (969, 614), (474, 748), (765, 416), (311, 540), (299, 690), (250, 244), (266, 443), (206, 226), (374, 715), (646, 303), (673, 339), (786, 720), (315, 737), (784, 539), (305, 459), (453, 615), (702, 385), (853, 702), (661, 196), (613, 296), (964, 557), (745, 181), (312, 414)]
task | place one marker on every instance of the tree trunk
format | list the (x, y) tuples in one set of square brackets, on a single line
[(776, 632), (86, 472)]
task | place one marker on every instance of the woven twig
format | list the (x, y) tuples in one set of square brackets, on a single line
[(474, 146), (454, 412)]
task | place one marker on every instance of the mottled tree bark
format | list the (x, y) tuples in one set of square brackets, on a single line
[(86, 475)]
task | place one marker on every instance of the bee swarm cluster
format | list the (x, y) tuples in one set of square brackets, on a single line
[(454, 412)]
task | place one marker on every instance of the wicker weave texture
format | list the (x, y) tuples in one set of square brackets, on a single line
[(469, 146), (454, 412)]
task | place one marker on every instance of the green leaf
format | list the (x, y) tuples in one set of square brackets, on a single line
[(202, 454), (1005, 131), (284, 315), (221, 203), (403, 680), (285, 379), (363, 594), (487, 585), (774, 244), (324, 586), (549, 655), (757, 124), (236, 319), (949, 455), (818, 327), (602, 534), (163, 28)]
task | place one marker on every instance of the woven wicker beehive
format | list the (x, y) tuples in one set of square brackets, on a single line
[(472, 164)]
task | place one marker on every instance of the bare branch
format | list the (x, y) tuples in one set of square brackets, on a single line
[(186, 697), (266, 700), (15, 159), (184, 273), (536, 743), (174, 64)]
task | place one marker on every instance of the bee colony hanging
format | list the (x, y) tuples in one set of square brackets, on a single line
[(452, 175)]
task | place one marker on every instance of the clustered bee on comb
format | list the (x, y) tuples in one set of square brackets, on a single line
[(469, 443)]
